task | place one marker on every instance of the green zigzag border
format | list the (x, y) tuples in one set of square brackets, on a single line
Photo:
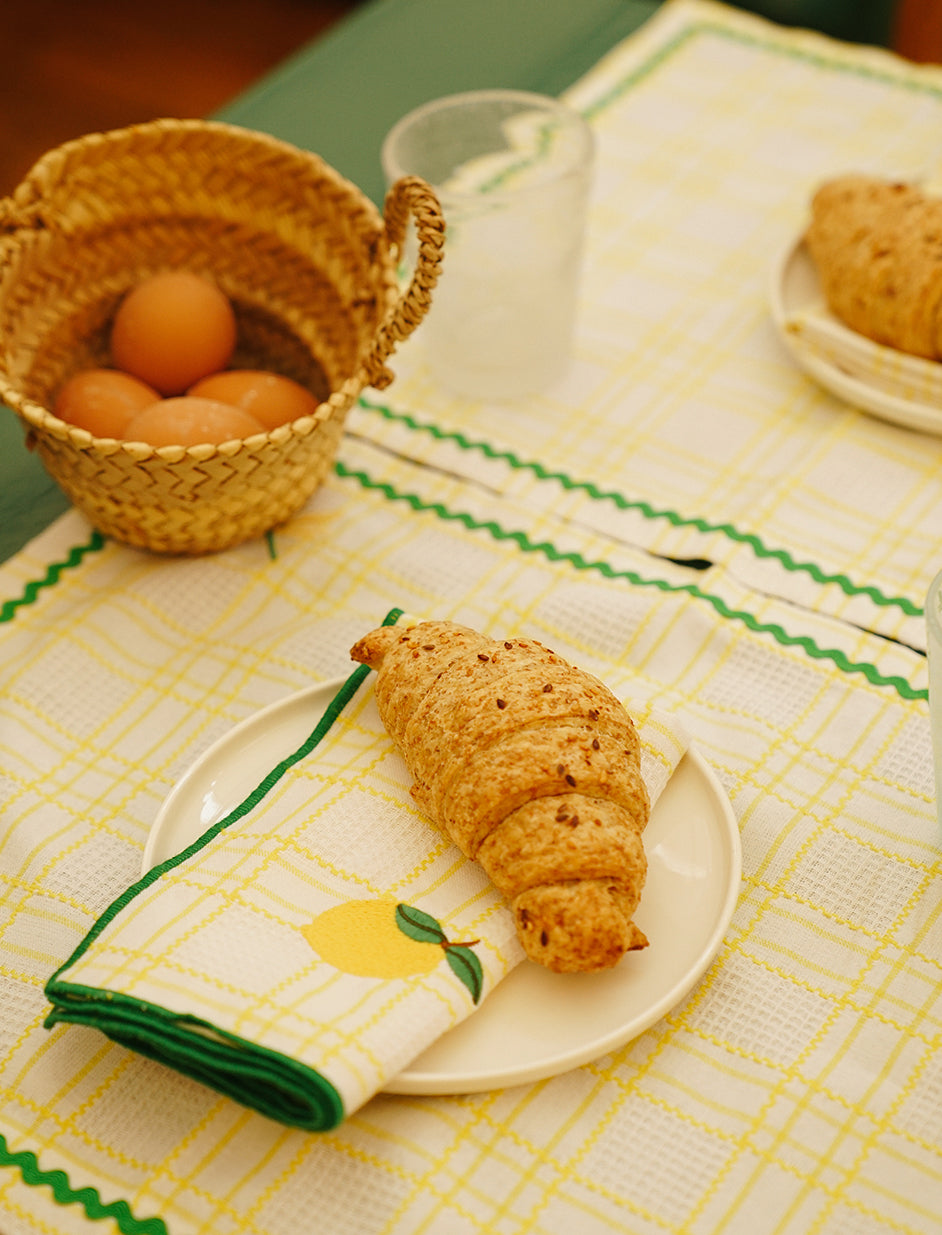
[(64, 1194), (524, 542), (761, 550), (31, 591), (551, 553)]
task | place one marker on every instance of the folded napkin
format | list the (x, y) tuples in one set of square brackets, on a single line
[(314, 941), (894, 373)]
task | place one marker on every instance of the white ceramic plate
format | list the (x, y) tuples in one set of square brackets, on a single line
[(796, 287), (534, 1024)]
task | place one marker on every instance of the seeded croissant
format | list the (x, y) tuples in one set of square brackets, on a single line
[(877, 246), (531, 766)]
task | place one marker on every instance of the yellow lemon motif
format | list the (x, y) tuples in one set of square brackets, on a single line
[(384, 938), (364, 938)]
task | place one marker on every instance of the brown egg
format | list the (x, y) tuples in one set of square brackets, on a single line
[(272, 399), (187, 421), (102, 401), (172, 329)]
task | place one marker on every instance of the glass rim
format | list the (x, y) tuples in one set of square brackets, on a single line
[(582, 158)]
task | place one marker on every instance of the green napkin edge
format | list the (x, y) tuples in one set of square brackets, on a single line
[(265, 1080)]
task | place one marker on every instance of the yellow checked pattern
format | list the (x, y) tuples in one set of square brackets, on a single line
[(797, 1089), (796, 1085)]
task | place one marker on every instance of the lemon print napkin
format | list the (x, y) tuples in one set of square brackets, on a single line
[(311, 943)]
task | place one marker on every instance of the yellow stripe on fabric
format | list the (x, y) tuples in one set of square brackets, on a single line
[(792, 1081), (721, 1064), (379, 1121), (858, 1112), (219, 1137), (447, 1182), (573, 1170)]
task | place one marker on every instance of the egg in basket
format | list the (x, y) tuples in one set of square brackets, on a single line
[(306, 261)]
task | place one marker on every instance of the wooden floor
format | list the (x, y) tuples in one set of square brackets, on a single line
[(75, 66)]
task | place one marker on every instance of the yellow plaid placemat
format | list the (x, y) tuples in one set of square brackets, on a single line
[(796, 1090), (798, 1078)]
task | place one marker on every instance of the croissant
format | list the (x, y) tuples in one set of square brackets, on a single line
[(877, 246), (532, 767)]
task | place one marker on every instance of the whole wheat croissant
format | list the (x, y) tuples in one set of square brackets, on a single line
[(532, 767), (877, 246)]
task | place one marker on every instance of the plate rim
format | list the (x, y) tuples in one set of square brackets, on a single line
[(413, 1081), (329, 687), (436, 1082), (850, 390)]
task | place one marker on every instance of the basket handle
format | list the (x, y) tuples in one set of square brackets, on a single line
[(408, 196)]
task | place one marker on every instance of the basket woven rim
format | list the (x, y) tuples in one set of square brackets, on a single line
[(39, 418), (24, 194)]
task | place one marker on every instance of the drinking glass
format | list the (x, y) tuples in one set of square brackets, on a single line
[(512, 170)]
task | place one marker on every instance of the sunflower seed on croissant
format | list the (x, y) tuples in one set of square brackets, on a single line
[(532, 767)]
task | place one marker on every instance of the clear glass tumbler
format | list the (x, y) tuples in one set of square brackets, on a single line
[(513, 172)]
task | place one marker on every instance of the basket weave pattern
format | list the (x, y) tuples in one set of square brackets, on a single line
[(306, 259)]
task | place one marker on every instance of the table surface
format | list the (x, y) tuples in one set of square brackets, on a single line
[(691, 516)]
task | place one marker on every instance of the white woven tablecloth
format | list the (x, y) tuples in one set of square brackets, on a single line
[(797, 1089)]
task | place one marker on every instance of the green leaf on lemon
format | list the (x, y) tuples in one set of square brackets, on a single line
[(419, 925), (467, 967)]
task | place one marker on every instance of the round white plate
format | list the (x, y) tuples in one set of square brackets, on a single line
[(795, 286), (534, 1024)]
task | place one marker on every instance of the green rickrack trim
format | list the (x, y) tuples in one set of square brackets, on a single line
[(8, 609), (552, 554), (588, 487), (26, 1162), (642, 71)]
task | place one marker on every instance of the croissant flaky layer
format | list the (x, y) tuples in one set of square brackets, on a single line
[(877, 246), (532, 767)]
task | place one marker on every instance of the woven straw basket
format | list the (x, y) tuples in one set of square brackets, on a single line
[(306, 259)]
